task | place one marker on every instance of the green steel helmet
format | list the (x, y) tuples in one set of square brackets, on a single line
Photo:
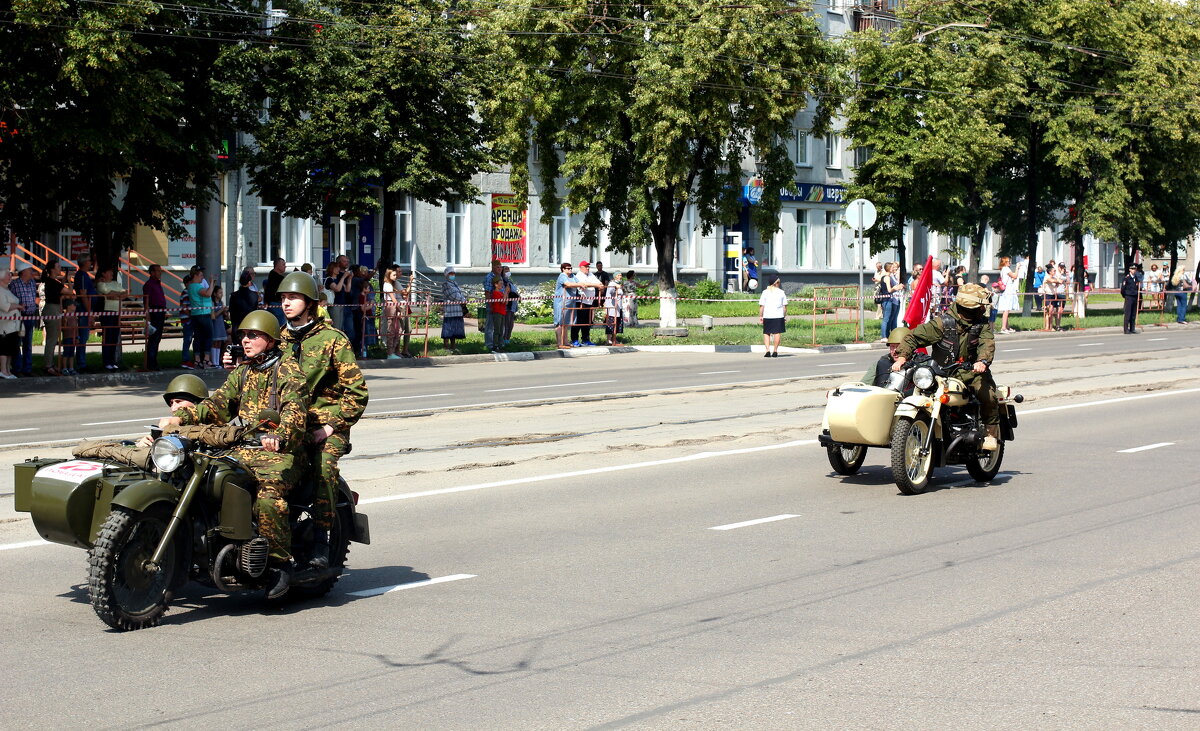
[(299, 283), (897, 334), (187, 387), (263, 322)]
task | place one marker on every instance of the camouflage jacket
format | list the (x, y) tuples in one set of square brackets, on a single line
[(337, 391), (968, 342), (247, 391)]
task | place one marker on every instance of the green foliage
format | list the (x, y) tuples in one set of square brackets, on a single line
[(642, 110), (709, 290)]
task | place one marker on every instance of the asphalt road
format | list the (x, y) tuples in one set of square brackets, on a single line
[(67, 418), (692, 564)]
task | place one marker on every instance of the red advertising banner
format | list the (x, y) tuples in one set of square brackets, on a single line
[(509, 229)]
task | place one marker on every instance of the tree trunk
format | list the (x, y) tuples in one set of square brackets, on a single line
[(977, 234), (1032, 201), (900, 248), (665, 234)]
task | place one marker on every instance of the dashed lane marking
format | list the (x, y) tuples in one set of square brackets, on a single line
[(1145, 448), (549, 385), (401, 398), (379, 590), (757, 521)]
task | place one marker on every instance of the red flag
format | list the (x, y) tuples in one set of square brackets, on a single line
[(918, 303)]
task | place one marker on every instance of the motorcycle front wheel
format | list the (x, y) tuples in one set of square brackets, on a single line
[(910, 468), (846, 459), (125, 593), (983, 466)]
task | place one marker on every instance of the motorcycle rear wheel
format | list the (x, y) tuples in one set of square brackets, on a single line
[(910, 469), (983, 466), (846, 459), (339, 549), (124, 594)]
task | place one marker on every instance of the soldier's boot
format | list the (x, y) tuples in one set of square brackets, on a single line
[(320, 552), (280, 580), (992, 441)]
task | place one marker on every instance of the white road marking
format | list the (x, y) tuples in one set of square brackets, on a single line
[(29, 428), (377, 591), (24, 544), (1154, 340), (1014, 350), (147, 419), (715, 373), (837, 364), (401, 398), (758, 521), (550, 385), (1087, 345), (1145, 448), (1105, 402), (581, 473), (74, 440)]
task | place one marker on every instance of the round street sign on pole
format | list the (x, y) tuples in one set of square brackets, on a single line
[(860, 214)]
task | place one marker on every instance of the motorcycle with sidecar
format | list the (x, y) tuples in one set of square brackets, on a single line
[(926, 418), (191, 518)]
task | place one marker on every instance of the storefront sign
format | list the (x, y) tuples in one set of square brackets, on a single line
[(509, 229), (181, 252), (752, 193)]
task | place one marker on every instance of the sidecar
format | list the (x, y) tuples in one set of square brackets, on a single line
[(857, 416), (69, 499)]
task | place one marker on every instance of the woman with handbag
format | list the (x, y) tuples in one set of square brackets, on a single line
[(453, 308)]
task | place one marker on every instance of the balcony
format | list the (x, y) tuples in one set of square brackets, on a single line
[(877, 15)]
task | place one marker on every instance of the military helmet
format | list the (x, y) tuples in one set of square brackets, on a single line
[(897, 335), (973, 296), (263, 322), (299, 283), (186, 386)]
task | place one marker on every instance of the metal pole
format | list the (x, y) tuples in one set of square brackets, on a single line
[(858, 245)]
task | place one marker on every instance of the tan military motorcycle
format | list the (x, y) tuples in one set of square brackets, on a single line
[(926, 418), (149, 532)]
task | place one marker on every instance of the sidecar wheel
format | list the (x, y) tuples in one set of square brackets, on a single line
[(124, 594), (910, 469), (983, 466), (846, 459)]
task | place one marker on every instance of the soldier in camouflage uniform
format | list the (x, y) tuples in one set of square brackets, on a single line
[(336, 390), (265, 380), (182, 391)]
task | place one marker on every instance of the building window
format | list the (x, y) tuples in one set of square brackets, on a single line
[(404, 236), (644, 255), (800, 149), (685, 245), (560, 238), (833, 254), (456, 234), (861, 155), (833, 150), (803, 244), (279, 235)]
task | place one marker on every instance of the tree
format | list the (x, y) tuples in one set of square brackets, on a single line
[(105, 95), (638, 111), (369, 102)]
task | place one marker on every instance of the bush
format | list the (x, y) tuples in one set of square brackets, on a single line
[(707, 289)]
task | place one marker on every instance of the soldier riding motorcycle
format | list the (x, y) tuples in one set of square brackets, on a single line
[(212, 510), (931, 411)]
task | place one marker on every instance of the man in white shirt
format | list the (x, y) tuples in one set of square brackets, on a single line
[(581, 332), (937, 285)]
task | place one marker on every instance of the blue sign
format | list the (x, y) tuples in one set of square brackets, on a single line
[(834, 195)]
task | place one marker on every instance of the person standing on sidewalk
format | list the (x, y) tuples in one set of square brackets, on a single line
[(52, 294), (87, 305), (514, 303), (581, 333), (10, 326), (25, 288), (1130, 289), (772, 315), (271, 288), (156, 315), (892, 290), (493, 291), (1184, 284), (110, 320)]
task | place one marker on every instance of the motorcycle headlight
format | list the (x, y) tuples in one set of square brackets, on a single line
[(167, 453), (923, 378)]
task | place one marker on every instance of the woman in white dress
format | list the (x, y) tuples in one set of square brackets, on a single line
[(1009, 301)]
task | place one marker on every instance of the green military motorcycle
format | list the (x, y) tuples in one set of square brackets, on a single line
[(190, 518)]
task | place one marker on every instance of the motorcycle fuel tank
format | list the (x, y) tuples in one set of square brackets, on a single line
[(861, 414)]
